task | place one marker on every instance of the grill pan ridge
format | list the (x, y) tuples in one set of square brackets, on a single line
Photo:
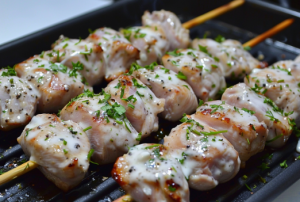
[(240, 24)]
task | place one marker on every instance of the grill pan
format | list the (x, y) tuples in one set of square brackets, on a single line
[(243, 23)]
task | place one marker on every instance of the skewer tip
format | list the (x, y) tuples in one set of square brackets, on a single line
[(271, 32), (125, 198)]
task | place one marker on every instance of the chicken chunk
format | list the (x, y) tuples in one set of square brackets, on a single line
[(18, 100), (60, 148), (280, 86), (203, 73), (109, 131), (151, 42), (265, 110), (207, 158), (118, 52), (178, 36), (290, 65), (179, 96), (142, 106), (56, 83), (149, 174), (68, 51), (236, 61), (244, 131)]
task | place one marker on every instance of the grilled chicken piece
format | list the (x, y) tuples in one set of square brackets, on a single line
[(107, 127), (236, 61), (118, 52), (151, 42), (149, 174), (60, 148), (178, 36), (207, 158), (68, 51), (290, 65), (244, 131), (141, 105), (18, 100), (280, 86), (179, 96), (202, 72), (56, 83), (265, 110)]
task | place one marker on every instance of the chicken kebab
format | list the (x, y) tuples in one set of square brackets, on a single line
[(208, 146), (193, 154)]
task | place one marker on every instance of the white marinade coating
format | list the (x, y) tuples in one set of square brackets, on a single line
[(149, 174), (207, 159), (236, 61), (59, 148), (178, 36), (68, 51), (109, 137), (179, 96), (280, 86), (151, 42), (142, 106), (244, 131), (118, 51), (242, 96), (291, 66), (202, 72), (56, 83), (18, 101)]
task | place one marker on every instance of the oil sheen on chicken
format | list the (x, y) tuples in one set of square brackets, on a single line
[(265, 110), (179, 96), (151, 42), (68, 51), (244, 131), (206, 157), (18, 100), (56, 83), (202, 72), (178, 36), (236, 61), (142, 106), (119, 53), (149, 174), (60, 148), (280, 86), (109, 131)]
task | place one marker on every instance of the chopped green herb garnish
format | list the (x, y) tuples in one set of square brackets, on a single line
[(139, 137), (180, 75), (283, 164), (174, 53), (90, 154), (88, 128)]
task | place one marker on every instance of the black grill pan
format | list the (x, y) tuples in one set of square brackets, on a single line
[(242, 24)]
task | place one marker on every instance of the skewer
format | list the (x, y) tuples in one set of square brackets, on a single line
[(125, 198), (271, 32), (18, 171), (213, 14), (253, 42), (30, 165)]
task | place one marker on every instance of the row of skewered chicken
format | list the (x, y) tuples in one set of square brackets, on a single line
[(206, 149)]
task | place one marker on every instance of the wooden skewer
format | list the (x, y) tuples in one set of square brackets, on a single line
[(213, 14), (271, 32), (125, 198), (18, 171)]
